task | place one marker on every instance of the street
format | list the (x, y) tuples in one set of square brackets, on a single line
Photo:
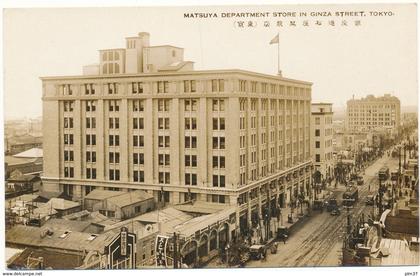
[(319, 241)]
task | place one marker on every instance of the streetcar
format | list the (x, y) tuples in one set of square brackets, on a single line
[(383, 173), (350, 196)]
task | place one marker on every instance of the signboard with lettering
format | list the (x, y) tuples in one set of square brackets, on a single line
[(121, 251), (161, 244), (124, 242)]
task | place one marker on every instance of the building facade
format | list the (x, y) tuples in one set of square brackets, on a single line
[(373, 113), (144, 119), (322, 123)]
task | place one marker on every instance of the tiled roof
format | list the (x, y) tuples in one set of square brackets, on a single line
[(201, 207), (102, 194), (198, 223), (66, 225), (168, 218), (12, 161), (22, 178), (62, 204), (31, 153), (52, 259), (75, 241), (130, 198), (74, 216), (400, 253), (49, 195)]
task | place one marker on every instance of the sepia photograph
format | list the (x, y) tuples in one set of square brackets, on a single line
[(218, 136)]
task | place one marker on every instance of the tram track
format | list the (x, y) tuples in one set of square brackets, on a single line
[(317, 246), (312, 244)]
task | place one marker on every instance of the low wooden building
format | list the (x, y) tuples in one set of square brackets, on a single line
[(119, 205)]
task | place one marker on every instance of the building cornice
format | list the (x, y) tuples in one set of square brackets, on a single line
[(179, 73)]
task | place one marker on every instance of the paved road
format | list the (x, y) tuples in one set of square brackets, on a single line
[(318, 242)]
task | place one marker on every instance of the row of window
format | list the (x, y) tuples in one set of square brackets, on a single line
[(257, 87), (327, 120), (163, 123), (163, 105), (217, 85)]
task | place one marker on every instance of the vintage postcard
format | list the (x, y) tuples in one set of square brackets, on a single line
[(210, 137)]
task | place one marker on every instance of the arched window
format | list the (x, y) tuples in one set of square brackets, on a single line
[(104, 69), (111, 68)]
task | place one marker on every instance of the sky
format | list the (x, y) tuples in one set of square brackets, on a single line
[(377, 57)]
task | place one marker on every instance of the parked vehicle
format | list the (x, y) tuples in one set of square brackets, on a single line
[(282, 233), (331, 204)]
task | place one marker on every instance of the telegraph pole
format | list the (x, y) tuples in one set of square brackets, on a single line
[(175, 251), (268, 221), (380, 198)]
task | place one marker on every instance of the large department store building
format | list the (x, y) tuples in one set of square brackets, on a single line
[(143, 118)]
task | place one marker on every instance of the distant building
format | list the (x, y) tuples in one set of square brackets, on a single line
[(322, 133), (408, 118), (373, 113), (18, 183), (29, 162), (22, 143)]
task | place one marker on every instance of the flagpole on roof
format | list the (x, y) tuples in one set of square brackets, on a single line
[(276, 40), (278, 55)]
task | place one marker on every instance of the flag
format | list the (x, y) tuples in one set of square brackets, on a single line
[(275, 40)]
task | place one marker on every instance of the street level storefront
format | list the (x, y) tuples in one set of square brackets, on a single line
[(206, 236), (261, 204), (193, 241)]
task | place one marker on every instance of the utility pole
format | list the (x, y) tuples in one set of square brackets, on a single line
[(399, 167), (268, 221), (380, 198), (175, 251), (348, 201)]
